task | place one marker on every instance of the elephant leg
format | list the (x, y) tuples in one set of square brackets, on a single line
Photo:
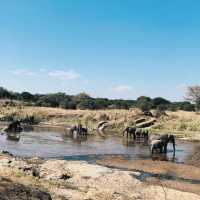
[(132, 135), (152, 149), (165, 148), (124, 133), (161, 149)]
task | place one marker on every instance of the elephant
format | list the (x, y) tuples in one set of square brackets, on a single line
[(136, 133), (145, 135), (130, 131), (28, 120), (14, 126), (142, 134), (161, 143), (72, 130), (78, 130), (82, 131), (157, 145)]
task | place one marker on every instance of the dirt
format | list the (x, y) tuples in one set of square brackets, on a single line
[(194, 159), (78, 180), (182, 177), (15, 191)]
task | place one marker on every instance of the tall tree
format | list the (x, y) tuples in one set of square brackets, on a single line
[(193, 95)]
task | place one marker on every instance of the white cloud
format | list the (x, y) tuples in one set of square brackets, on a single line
[(64, 75), (24, 72), (122, 88)]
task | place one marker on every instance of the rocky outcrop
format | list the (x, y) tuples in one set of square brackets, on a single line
[(77, 180), (14, 191)]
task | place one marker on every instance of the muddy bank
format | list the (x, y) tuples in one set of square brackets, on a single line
[(78, 180), (10, 190), (182, 177)]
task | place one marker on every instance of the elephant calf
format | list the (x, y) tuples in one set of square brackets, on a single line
[(161, 143), (156, 145)]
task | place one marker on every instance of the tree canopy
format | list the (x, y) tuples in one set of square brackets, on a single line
[(85, 101)]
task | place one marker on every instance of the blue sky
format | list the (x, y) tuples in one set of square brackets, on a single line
[(107, 48)]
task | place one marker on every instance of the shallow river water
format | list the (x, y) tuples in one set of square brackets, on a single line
[(52, 143)]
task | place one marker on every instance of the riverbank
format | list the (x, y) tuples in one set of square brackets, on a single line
[(78, 180), (185, 125)]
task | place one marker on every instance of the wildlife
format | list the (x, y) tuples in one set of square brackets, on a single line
[(135, 133), (161, 143), (14, 127), (78, 131)]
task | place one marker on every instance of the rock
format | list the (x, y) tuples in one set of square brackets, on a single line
[(55, 169), (14, 191), (6, 152), (77, 180)]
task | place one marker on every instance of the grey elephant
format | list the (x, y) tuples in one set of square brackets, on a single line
[(14, 126), (130, 131), (160, 143), (142, 133), (82, 131), (78, 131)]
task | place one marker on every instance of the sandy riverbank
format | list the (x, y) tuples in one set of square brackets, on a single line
[(77, 180)]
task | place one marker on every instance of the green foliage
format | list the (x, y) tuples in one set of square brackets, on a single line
[(4, 93), (158, 101), (144, 103), (185, 105), (85, 101), (26, 96)]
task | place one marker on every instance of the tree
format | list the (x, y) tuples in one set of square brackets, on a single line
[(4, 93), (159, 101), (87, 104), (82, 96), (193, 95), (27, 96), (144, 103)]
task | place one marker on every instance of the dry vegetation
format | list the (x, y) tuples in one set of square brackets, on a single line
[(58, 116), (186, 124)]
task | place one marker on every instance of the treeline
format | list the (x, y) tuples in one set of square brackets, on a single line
[(84, 101)]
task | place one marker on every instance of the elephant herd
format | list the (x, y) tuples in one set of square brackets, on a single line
[(78, 131), (136, 133), (156, 143)]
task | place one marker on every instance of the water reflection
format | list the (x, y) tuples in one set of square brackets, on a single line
[(13, 136)]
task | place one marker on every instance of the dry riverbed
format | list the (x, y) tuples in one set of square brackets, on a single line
[(78, 180)]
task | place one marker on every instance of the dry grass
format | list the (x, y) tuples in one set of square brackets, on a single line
[(186, 124), (183, 123), (56, 116)]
